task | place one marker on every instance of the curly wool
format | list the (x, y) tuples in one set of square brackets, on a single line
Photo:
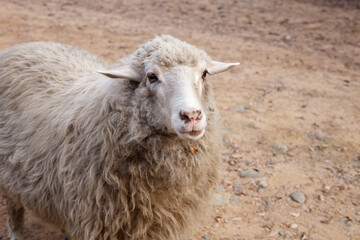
[(78, 148)]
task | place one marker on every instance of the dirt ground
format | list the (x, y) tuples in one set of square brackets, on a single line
[(291, 111)]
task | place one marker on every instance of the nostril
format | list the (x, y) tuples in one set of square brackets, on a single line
[(184, 116), (199, 115), (190, 116)]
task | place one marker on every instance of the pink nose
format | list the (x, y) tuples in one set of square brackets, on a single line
[(190, 116)]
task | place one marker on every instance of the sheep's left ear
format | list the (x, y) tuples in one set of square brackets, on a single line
[(127, 72), (218, 67)]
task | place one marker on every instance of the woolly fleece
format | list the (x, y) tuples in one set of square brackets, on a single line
[(80, 151)]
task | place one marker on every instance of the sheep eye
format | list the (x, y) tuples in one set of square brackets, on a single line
[(204, 74), (152, 77)]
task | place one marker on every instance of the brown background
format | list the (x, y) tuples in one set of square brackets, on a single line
[(291, 110)]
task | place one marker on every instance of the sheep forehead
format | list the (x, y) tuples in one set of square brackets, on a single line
[(167, 51)]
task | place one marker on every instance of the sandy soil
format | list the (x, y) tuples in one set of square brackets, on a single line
[(291, 110)]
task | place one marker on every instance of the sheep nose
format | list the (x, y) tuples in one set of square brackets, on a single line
[(190, 116)]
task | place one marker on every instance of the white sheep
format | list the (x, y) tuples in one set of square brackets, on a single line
[(131, 153)]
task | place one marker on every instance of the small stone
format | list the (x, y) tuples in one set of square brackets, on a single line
[(206, 237), (303, 236), (357, 219), (346, 221), (236, 219), (316, 136), (327, 221), (262, 184), (279, 147), (250, 173), (287, 38), (293, 226), (219, 219), (237, 189), (295, 214), (269, 225), (236, 156), (327, 188), (298, 197), (321, 197)]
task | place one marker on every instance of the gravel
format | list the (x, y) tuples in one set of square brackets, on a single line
[(250, 173), (279, 148), (316, 136), (237, 189), (262, 184), (298, 197)]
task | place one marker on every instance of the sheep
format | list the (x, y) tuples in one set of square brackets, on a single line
[(102, 152)]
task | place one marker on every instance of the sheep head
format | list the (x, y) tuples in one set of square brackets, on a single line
[(175, 74)]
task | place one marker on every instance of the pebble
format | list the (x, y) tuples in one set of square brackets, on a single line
[(327, 188), (316, 136), (237, 189), (250, 173), (346, 221), (294, 226), (277, 86), (321, 197), (236, 156), (279, 147), (262, 184), (219, 219), (206, 237), (295, 214), (298, 197)]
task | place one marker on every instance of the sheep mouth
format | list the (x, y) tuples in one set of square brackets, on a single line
[(193, 133)]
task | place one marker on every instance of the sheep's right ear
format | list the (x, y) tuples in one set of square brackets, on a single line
[(126, 72)]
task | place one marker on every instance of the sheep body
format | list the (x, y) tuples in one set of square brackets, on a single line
[(77, 149)]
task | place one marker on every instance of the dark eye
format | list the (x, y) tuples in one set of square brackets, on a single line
[(204, 74), (152, 77)]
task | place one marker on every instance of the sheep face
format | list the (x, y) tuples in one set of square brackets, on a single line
[(174, 72), (177, 93)]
